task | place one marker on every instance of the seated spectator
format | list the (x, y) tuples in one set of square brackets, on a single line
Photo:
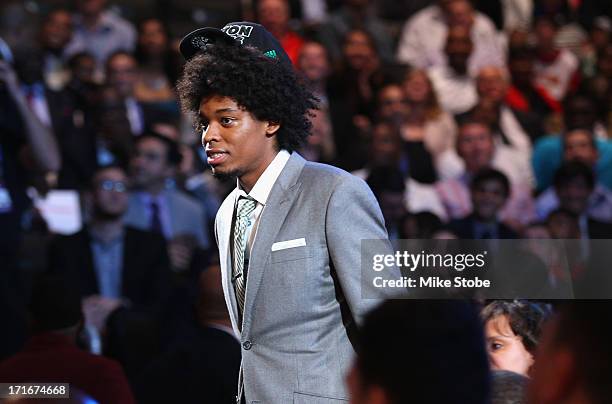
[(578, 145), (454, 86), (274, 16), (121, 273), (555, 69), (314, 64), (512, 331), (526, 96), (156, 206), (562, 224), (492, 86), (476, 151), (422, 225), (122, 76), (360, 76), (439, 339), (158, 66), (51, 354), (489, 192), (100, 31), (425, 121), (54, 36), (508, 387), (599, 38), (422, 40), (386, 151), (393, 107), (574, 187), (208, 360), (388, 185), (573, 357), (599, 89), (580, 113), (352, 15)]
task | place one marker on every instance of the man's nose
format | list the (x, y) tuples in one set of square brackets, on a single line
[(210, 134)]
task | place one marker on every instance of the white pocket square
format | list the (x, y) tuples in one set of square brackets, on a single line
[(283, 245)]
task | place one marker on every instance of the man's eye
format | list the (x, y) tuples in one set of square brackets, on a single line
[(226, 121)]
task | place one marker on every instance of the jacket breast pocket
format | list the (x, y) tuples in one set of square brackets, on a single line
[(306, 398), (291, 254)]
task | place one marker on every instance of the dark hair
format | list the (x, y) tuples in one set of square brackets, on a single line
[(571, 170), (415, 350), (427, 224), (92, 183), (561, 212), (173, 154), (75, 59), (584, 327), (567, 133), (172, 63), (386, 179), (508, 387), (263, 86), (525, 318), (118, 53), (55, 303), (490, 174), (471, 119)]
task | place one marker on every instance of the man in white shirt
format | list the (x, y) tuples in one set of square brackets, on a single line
[(290, 234), (423, 37), (454, 86)]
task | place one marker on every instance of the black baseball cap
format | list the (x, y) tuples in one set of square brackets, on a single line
[(238, 33)]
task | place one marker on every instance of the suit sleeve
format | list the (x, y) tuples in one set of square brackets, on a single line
[(353, 215)]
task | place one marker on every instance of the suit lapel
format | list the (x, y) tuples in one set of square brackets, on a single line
[(280, 200), (224, 234)]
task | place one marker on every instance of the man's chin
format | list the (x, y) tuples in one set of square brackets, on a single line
[(223, 175)]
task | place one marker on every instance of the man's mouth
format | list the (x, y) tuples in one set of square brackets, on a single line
[(215, 157)]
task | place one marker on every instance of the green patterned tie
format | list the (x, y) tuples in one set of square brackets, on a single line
[(246, 206)]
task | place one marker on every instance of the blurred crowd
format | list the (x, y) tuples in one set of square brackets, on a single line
[(481, 119)]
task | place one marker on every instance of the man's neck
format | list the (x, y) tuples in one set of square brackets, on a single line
[(107, 229), (248, 181)]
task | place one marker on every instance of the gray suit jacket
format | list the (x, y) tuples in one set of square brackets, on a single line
[(301, 301), (186, 216)]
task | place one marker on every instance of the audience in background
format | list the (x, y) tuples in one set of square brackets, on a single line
[(100, 31), (51, 354), (121, 273), (157, 205), (476, 151), (452, 81), (489, 190), (423, 37)]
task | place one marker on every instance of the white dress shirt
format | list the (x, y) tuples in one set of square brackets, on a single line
[(260, 192)]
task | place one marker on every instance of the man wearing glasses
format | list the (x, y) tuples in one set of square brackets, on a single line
[(120, 271)]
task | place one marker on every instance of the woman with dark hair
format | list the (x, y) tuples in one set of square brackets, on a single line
[(159, 65), (512, 331)]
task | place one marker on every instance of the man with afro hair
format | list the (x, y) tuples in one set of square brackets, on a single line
[(289, 234)]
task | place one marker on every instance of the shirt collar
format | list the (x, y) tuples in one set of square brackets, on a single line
[(264, 184)]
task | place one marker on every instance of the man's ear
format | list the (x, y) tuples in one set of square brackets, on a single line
[(272, 128)]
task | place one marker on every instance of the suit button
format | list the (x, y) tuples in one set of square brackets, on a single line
[(247, 345)]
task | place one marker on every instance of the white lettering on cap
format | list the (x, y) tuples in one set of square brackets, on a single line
[(238, 32)]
